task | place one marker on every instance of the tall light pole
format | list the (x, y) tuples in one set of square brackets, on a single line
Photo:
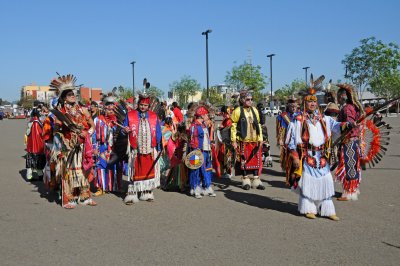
[(305, 68), (206, 34), (133, 78), (270, 66)]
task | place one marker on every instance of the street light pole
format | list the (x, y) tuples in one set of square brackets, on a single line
[(270, 66), (133, 78), (206, 34), (305, 68)]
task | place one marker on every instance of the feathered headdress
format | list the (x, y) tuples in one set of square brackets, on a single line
[(199, 109), (309, 93), (351, 96), (330, 95), (144, 97), (331, 108), (109, 100), (63, 83)]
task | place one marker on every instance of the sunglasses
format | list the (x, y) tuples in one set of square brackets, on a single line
[(247, 100)]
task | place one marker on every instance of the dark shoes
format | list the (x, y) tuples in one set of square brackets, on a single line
[(246, 187)]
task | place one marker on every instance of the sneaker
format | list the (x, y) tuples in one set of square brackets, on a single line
[(210, 192), (29, 174)]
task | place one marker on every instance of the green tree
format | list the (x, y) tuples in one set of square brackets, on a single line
[(215, 98), (122, 92), (286, 91), (184, 88), (247, 75), (371, 59), (26, 102), (155, 92), (386, 85)]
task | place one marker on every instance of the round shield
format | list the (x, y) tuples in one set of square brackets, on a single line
[(194, 159)]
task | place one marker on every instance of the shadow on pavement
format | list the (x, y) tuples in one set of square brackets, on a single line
[(269, 171), (255, 200), (276, 183), (224, 183), (44, 192), (262, 202)]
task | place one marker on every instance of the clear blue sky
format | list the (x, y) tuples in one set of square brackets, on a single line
[(97, 40)]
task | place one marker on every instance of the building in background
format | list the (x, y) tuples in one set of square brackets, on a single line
[(46, 93), (36, 92), (90, 94)]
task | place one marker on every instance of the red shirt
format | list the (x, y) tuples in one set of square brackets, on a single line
[(178, 114), (348, 113)]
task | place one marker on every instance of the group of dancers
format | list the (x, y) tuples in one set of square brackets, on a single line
[(83, 152)]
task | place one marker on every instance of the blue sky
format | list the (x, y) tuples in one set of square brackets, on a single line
[(97, 40)]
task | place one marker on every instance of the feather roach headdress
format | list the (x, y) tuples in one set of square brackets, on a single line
[(351, 96), (63, 83), (309, 93)]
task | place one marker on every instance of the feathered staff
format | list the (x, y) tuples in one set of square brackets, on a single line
[(379, 138), (146, 85), (66, 120), (330, 96), (120, 147)]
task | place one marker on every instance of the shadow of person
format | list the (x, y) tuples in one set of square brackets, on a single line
[(262, 202), (124, 189), (44, 192), (23, 174), (269, 171), (276, 183), (224, 183)]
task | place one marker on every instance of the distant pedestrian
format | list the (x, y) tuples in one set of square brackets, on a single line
[(177, 112)]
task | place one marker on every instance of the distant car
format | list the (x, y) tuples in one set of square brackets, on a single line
[(267, 111), (1, 115)]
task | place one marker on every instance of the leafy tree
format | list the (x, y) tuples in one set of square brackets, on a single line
[(215, 98), (122, 92), (247, 75), (386, 85), (154, 91), (26, 102), (371, 59), (286, 91), (4, 102), (184, 88)]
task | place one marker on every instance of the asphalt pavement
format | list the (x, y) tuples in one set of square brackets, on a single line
[(237, 227)]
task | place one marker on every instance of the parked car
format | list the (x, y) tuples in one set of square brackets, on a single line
[(267, 111)]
